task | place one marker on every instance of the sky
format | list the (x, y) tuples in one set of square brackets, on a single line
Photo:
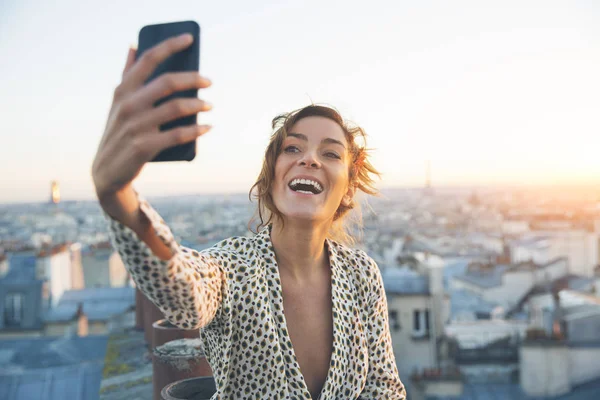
[(494, 92)]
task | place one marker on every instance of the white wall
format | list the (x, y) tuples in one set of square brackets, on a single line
[(410, 353), (77, 280), (552, 272), (544, 370), (57, 269), (117, 271), (513, 288), (584, 364), (553, 370), (580, 247)]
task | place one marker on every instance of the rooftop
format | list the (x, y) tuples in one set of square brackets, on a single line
[(99, 304), (464, 301), (57, 249), (513, 391), (404, 281), (22, 269), (489, 275), (51, 367)]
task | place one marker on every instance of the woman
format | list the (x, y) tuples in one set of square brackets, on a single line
[(288, 313)]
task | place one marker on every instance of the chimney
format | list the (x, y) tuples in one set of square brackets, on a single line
[(82, 322), (3, 265)]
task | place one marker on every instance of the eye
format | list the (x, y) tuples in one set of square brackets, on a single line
[(333, 155), (291, 149)]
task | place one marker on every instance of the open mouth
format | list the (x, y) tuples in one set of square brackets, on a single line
[(306, 186)]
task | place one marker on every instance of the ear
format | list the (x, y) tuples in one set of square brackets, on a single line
[(349, 196)]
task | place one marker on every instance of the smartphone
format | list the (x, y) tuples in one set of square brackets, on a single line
[(186, 60)]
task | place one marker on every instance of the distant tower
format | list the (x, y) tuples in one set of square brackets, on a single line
[(428, 189), (55, 193), (428, 177)]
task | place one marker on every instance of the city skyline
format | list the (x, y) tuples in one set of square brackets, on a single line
[(491, 95)]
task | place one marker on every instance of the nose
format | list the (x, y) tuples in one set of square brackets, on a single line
[(309, 159)]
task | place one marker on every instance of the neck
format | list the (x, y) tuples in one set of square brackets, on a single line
[(300, 249)]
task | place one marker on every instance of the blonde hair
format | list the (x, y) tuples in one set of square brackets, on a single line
[(361, 172)]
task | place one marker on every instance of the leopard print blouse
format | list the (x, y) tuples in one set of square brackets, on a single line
[(232, 292)]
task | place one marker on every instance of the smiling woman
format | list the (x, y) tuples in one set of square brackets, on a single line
[(336, 145), (289, 313)]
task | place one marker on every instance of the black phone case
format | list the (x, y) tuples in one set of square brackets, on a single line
[(186, 60)]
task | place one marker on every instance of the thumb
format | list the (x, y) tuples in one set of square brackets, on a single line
[(130, 59)]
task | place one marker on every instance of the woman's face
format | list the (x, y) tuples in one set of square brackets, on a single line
[(311, 172)]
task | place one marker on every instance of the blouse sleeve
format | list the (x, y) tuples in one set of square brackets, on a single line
[(383, 380), (188, 288)]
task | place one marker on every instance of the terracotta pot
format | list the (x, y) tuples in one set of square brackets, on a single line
[(151, 314), (176, 360), (139, 310), (163, 331), (201, 388)]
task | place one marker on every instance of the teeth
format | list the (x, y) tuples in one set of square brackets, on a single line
[(306, 182), (304, 191)]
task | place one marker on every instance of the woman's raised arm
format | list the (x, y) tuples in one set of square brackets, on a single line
[(185, 285)]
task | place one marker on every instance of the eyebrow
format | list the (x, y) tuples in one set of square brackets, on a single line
[(303, 137)]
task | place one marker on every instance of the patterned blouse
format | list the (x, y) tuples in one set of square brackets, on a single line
[(232, 291)]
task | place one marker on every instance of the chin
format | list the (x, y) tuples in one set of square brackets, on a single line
[(301, 210), (302, 215)]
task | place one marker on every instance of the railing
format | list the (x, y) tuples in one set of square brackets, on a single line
[(451, 373)]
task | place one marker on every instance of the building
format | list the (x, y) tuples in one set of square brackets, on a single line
[(42, 294), (418, 309), (96, 308), (23, 297), (579, 246), (61, 267), (561, 364)]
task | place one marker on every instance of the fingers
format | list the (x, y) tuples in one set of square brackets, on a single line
[(176, 136), (172, 110), (130, 60), (166, 85), (150, 59)]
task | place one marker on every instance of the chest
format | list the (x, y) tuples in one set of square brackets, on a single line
[(308, 314)]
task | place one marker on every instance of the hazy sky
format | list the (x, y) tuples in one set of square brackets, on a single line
[(490, 92)]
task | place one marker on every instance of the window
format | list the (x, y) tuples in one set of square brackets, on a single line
[(420, 323), (394, 321), (417, 321), (13, 309)]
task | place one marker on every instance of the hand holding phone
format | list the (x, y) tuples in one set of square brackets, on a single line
[(133, 135)]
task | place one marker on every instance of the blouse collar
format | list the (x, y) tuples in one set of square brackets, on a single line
[(342, 292)]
